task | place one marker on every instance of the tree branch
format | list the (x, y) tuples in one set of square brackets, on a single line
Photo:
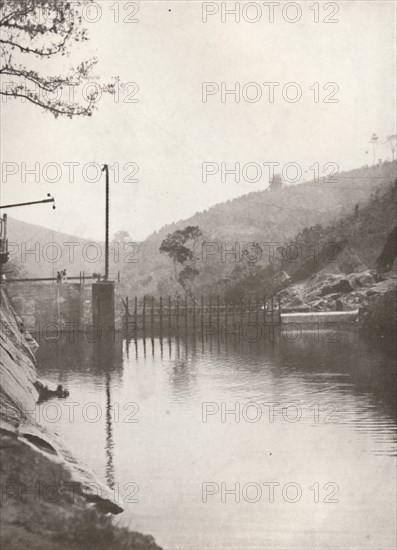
[(49, 86), (43, 29), (74, 109), (15, 15), (56, 48)]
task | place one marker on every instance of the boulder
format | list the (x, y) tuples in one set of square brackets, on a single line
[(343, 285), (296, 301), (364, 279), (330, 269), (322, 277), (319, 305), (334, 296), (372, 292), (351, 263)]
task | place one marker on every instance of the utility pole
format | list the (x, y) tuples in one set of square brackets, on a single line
[(103, 307), (107, 199)]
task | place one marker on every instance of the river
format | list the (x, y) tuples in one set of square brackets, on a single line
[(212, 444)]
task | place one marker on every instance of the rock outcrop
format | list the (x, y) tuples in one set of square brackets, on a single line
[(373, 294)]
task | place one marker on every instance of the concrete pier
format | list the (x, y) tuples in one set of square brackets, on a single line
[(47, 308), (103, 305)]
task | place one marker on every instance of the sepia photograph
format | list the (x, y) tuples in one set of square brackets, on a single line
[(198, 276)]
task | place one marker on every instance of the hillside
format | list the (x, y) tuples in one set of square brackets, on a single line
[(358, 274), (362, 239), (53, 251), (263, 217)]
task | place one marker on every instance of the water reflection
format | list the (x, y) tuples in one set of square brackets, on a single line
[(76, 362), (345, 391), (348, 367), (104, 357)]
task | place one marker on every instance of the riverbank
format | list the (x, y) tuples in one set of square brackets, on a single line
[(49, 500), (373, 295), (43, 509)]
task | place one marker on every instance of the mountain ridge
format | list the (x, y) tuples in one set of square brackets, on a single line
[(265, 216)]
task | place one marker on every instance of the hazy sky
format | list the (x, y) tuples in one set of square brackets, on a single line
[(170, 132)]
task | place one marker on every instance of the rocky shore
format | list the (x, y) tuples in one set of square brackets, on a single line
[(374, 295), (42, 508), (49, 500)]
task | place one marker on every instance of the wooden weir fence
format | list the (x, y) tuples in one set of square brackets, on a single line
[(173, 314)]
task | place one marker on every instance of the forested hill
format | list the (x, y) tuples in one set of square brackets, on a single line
[(264, 216)]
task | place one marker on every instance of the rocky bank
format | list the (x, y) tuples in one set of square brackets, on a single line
[(49, 500), (371, 293)]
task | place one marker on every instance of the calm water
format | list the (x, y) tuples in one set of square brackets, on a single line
[(339, 429)]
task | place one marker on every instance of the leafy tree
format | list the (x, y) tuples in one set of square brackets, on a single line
[(252, 253), (186, 277), (121, 237), (178, 246), (247, 281), (36, 35)]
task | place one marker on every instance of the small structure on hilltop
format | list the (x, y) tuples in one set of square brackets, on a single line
[(276, 183)]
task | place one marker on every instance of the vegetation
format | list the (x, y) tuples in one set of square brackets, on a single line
[(355, 215), (177, 246), (36, 37), (311, 213), (364, 238), (388, 254)]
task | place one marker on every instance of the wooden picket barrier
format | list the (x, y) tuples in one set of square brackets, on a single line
[(159, 314)]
